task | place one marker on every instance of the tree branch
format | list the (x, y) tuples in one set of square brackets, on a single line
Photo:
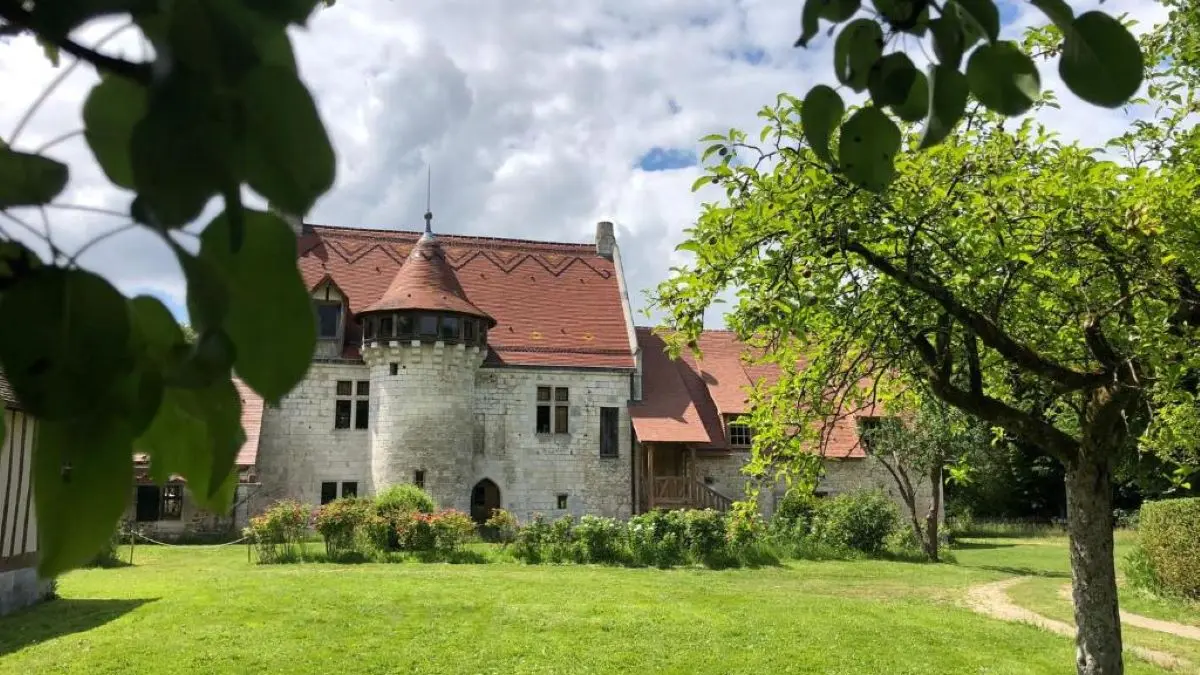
[(15, 14), (983, 327), (1018, 422)]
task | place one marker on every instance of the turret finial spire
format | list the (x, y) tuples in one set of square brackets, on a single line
[(428, 194)]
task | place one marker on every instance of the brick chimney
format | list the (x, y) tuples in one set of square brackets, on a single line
[(605, 239)]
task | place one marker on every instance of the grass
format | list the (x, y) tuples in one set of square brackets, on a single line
[(205, 609)]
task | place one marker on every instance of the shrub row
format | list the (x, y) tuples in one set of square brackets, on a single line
[(400, 519), (855, 522), (655, 539), (1167, 558)]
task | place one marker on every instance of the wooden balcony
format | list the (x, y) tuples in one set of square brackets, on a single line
[(681, 487)]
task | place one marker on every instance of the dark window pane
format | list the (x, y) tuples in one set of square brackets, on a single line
[(344, 387), (560, 393), (349, 489), (172, 504), (429, 325), (739, 435), (562, 501), (362, 412), (341, 418), (469, 331), (328, 492), (394, 368), (419, 478), (543, 393), (369, 328), (560, 419), (404, 325), (449, 328), (149, 499), (363, 387), (609, 418), (385, 327), (543, 419), (329, 319)]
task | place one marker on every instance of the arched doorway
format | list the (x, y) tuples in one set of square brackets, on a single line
[(485, 498)]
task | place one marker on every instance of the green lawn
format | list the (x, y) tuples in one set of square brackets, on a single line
[(206, 610)]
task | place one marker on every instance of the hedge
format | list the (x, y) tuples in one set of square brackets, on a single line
[(1169, 533)]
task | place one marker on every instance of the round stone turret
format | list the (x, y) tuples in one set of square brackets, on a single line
[(423, 341)]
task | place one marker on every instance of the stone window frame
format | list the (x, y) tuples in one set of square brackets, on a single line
[(352, 397), (740, 434), (339, 490), (555, 401), (610, 436)]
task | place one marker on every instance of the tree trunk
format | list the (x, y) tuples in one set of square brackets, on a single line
[(935, 508), (1093, 573)]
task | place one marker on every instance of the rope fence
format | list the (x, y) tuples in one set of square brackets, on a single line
[(134, 535)]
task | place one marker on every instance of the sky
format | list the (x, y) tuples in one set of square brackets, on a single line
[(536, 119)]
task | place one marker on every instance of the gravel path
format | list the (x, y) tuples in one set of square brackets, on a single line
[(1129, 618), (992, 600)]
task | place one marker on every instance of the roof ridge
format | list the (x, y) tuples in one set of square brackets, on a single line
[(369, 231)]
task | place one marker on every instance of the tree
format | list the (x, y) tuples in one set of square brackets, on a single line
[(1030, 283), (923, 446), (1099, 60), (218, 110)]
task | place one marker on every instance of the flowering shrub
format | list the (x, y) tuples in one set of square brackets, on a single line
[(532, 540), (343, 524), (859, 521), (503, 526), (396, 505), (600, 540), (658, 538), (704, 535), (439, 533), (277, 533)]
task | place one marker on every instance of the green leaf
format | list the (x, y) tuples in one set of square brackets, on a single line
[(284, 11), (979, 17), (838, 11), (948, 42), (1101, 62), (1058, 11), (270, 312), (110, 113), (1003, 78), (288, 156), (948, 91), (160, 338), (82, 473), (915, 106), (867, 149), (700, 182), (183, 152), (857, 48), (29, 180), (891, 79), (903, 15), (214, 38), (197, 434), (17, 262), (810, 22), (60, 18), (820, 115), (73, 344)]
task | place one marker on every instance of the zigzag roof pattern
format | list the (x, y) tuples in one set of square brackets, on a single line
[(555, 304)]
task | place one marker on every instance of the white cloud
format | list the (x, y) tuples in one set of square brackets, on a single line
[(533, 116)]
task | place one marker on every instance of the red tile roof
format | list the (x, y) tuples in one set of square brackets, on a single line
[(426, 281), (554, 304), (683, 401)]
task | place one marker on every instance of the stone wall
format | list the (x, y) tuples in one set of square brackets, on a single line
[(299, 446), (533, 469), (21, 587), (841, 475), (421, 420)]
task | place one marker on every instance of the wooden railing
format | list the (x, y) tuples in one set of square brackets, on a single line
[(708, 498), (671, 490)]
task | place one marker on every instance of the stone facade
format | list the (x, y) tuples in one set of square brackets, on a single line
[(456, 423)]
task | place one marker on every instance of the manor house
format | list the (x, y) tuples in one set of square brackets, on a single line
[(495, 373)]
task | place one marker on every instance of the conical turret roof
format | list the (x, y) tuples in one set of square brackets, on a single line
[(427, 282)]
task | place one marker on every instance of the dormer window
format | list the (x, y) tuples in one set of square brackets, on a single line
[(329, 320)]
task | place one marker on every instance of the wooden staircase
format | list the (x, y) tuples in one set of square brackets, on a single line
[(682, 492)]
